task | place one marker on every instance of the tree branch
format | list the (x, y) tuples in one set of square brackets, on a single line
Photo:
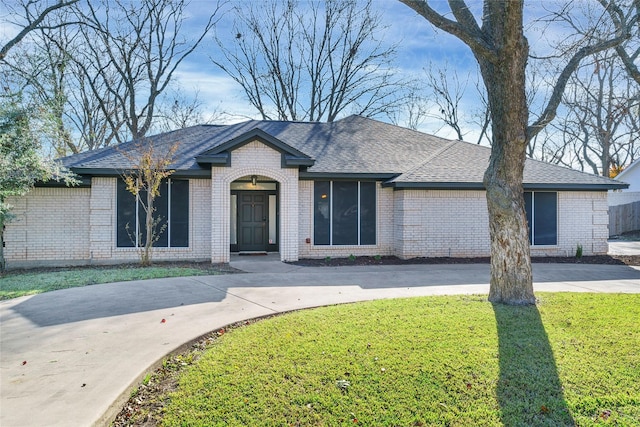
[(32, 26), (549, 112), (618, 17), (466, 28)]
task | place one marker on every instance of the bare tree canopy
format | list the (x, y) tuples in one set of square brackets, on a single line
[(498, 43), (101, 68), (132, 50), (34, 14), (311, 63), (182, 111), (600, 121), (629, 50)]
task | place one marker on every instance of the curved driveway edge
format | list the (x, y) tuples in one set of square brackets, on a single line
[(85, 348)]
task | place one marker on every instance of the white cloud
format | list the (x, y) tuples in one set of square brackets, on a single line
[(218, 92)]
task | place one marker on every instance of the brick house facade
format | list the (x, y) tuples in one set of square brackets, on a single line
[(305, 190)]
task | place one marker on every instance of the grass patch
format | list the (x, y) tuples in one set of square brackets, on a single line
[(455, 361), (17, 284)]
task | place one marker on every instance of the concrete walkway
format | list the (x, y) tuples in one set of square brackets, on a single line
[(71, 357)]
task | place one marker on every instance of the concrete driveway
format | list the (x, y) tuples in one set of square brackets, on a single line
[(71, 357), (624, 247)]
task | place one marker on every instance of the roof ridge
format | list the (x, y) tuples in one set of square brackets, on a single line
[(432, 156)]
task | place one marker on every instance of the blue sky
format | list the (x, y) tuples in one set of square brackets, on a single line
[(418, 45)]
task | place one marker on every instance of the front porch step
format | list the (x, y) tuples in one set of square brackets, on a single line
[(244, 253)]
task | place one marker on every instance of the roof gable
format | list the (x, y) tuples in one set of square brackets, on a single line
[(221, 154)]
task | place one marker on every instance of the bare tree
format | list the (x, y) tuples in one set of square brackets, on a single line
[(447, 91), (600, 100), (148, 168), (178, 111), (38, 74), (132, 50), (48, 77), (33, 13), (413, 112), (100, 69), (629, 50), (311, 63), (501, 49)]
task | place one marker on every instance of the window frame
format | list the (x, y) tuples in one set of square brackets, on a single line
[(331, 210), (168, 220), (532, 220)]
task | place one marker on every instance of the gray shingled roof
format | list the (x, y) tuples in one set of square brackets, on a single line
[(351, 146)]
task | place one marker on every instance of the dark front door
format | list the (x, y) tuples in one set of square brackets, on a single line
[(252, 221)]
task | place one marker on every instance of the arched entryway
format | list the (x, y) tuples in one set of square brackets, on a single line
[(255, 215), (279, 191)]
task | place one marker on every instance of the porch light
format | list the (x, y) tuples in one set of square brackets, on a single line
[(254, 180)]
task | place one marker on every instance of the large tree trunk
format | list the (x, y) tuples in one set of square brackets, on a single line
[(504, 77), (501, 50)]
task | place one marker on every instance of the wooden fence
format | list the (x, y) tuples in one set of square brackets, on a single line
[(623, 218)]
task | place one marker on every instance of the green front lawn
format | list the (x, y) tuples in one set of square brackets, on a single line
[(17, 284), (456, 361)]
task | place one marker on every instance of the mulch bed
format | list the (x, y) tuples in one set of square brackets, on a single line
[(392, 260)]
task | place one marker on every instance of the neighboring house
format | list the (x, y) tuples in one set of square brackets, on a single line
[(306, 190), (631, 175), (624, 203)]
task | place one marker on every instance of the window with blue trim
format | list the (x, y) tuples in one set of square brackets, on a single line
[(344, 213), (171, 207), (542, 216)]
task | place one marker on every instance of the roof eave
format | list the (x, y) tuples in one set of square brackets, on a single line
[(574, 186), (83, 182), (218, 159), (290, 161), (306, 175), (526, 186), (435, 185), (110, 172)]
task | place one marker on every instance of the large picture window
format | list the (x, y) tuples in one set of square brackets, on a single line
[(172, 207), (344, 213), (542, 216)]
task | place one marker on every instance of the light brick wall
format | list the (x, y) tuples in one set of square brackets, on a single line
[(51, 227), (431, 223), (102, 219), (77, 226), (583, 218), (254, 158), (71, 226), (384, 218)]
